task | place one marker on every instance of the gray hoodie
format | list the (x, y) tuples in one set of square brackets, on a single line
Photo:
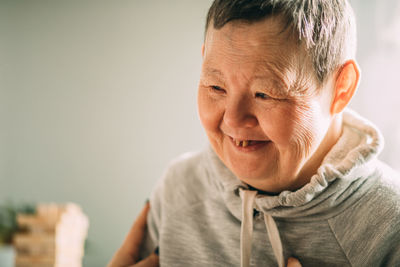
[(347, 215)]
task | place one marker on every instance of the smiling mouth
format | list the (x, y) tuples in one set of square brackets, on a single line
[(247, 143)]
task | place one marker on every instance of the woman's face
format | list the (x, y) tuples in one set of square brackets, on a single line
[(259, 106)]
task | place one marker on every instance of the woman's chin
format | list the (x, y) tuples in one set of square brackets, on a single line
[(253, 177), (252, 168)]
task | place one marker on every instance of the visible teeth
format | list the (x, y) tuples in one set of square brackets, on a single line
[(243, 143)]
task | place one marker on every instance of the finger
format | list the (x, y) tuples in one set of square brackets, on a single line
[(293, 262), (150, 261)]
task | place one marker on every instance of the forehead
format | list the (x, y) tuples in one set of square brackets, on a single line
[(253, 50), (265, 39)]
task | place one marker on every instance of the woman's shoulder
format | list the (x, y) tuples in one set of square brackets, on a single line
[(388, 184), (188, 161), (373, 221), (382, 200), (185, 180), (189, 167)]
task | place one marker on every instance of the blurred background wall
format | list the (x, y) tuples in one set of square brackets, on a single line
[(96, 97)]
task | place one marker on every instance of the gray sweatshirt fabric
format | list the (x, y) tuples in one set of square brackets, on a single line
[(347, 215)]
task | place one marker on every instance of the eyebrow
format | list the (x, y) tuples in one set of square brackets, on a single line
[(214, 72), (274, 75)]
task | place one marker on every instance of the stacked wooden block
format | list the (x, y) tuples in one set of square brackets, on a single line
[(53, 237)]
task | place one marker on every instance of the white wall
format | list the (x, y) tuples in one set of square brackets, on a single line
[(2, 105), (378, 96), (96, 97), (100, 96)]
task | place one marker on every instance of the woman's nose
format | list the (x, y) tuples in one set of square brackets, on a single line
[(238, 114)]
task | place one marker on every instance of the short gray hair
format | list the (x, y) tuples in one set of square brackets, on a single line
[(326, 27)]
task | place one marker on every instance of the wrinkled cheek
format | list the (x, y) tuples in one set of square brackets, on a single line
[(297, 132), (304, 141), (304, 133)]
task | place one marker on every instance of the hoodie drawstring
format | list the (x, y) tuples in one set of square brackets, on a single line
[(246, 231), (274, 238)]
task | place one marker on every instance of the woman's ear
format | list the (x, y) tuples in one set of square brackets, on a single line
[(345, 86), (202, 50)]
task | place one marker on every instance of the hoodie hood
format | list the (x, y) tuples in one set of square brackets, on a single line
[(341, 180)]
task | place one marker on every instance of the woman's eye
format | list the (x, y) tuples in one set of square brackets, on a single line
[(262, 95), (217, 88)]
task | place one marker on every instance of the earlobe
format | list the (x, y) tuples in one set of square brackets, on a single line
[(345, 86)]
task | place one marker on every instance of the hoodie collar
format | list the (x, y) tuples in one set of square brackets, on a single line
[(343, 173)]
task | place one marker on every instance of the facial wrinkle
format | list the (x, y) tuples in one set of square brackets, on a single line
[(303, 137), (274, 78)]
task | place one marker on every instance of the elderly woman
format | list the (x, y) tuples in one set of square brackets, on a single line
[(289, 171)]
